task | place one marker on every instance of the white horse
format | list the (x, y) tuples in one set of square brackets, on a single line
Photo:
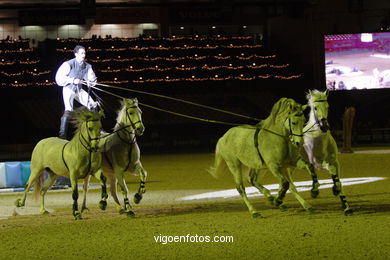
[(121, 154), (320, 148)]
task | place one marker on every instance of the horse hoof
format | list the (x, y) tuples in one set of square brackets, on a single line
[(45, 212), (282, 207), (18, 203), (103, 205), (78, 216), (348, 212), (277, 202), (137, 198), (310, 210), (314, 193), (257, 215), (130, 214), (84, 209)]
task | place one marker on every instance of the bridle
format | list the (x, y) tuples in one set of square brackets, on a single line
[(287, 137), (317, 122), (87, 143), (124, 127), (290, 134)]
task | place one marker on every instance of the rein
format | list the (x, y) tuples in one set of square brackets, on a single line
[(179, 114), (171, 98), (284, 136)]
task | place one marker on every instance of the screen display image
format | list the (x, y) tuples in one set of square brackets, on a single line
[(357, 61)]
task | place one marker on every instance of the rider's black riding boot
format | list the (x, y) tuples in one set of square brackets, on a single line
[(64, 126)]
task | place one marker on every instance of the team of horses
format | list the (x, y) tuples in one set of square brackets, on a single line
[(278, 144)]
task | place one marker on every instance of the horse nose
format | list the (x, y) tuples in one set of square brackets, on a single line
[(324, 126), (140, 130)]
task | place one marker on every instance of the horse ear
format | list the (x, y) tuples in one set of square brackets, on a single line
[(327, 92)]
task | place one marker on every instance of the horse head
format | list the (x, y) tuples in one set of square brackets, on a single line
[(318, 102), (294, 122), (89, 127), (133, 116), (288, 114)]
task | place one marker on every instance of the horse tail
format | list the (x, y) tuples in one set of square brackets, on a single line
[(38, 186), (220, 167)]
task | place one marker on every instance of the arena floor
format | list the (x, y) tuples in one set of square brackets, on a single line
[(182, 199)]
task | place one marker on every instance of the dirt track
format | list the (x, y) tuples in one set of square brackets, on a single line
[(292, 234)]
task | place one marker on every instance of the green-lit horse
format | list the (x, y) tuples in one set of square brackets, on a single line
[(121, 154), (320, 148), (75, 159), (273, 144)]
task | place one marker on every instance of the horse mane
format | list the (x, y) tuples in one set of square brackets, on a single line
[(81, 115), (280, 110), (315, 94)]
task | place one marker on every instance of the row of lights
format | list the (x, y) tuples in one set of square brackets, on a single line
[(161, 48), (204, 67), (23, 72), (17, 84), (167, 79), (172, 38), (195, 57), (13, 62), (194, 78), (18, 51)]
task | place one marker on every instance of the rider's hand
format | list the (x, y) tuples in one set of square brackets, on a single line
[(76, 81), (91, 83)]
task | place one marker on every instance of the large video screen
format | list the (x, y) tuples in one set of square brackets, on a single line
[(357, 61)]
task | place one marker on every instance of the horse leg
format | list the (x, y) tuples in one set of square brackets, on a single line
[(310, 168), (283, 185), (278, 201), (236, 171), (294, 191), (337, 188), (75, 197), (141, 190), (113, 191), (103, 202), (85, 191), (285, 176), (253, 179), (52, 177), (31, 180), (122, 184), (334, 172)]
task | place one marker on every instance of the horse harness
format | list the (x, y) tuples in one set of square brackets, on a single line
[(315, 116), (124, 139), (256, 137)]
